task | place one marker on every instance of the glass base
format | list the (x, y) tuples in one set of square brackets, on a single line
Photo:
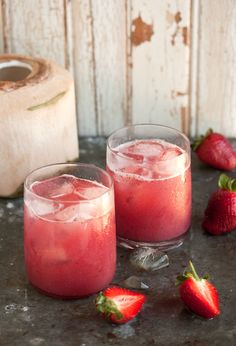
[(65, 297), (162, 245)]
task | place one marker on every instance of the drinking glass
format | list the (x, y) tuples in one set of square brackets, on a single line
[(69, 229), (150, 165)]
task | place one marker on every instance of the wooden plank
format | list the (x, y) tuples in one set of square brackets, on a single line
[(36, 28), (217, 66), (1, 30), (194, 65), (99, 29), (69, 35), (109, 39), (84, 67), (160, 60)]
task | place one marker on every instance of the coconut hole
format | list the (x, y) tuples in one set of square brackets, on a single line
[(14, 71)]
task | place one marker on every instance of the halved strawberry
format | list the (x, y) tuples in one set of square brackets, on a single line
[(198, 294), (119, 305), (220, 214), (215, 150)]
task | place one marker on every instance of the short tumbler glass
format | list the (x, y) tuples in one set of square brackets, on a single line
[(69, 229), (150, 165)]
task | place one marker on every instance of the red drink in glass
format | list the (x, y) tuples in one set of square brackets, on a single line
[(70, 244), (152, 181)]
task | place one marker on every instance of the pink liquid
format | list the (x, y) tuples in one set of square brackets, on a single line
[(152, 190), (70, 248)]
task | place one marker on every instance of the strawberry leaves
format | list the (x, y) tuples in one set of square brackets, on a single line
[(107, 307), (200, 139), (227, 183)]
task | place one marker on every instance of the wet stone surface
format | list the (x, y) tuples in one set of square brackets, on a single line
[(29, 318)]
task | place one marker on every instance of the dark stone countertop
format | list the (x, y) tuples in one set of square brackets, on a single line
[(29, 318)]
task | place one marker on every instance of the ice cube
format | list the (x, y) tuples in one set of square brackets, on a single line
[(56, 187), (149, 148), (91, 192), (81, 211), (171, 153), (134, 282), (41, 207), (149, 259), (172, 166), (141, 149)]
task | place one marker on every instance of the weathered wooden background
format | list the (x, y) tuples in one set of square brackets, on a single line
[(163, 61)]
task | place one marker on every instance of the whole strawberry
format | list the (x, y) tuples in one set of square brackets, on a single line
[(119, 305), (198, 294), (220, 214), (215, 150)]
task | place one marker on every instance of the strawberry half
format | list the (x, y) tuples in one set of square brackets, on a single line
[(198, 294), (215, 150), (119, 305), (220, 214)]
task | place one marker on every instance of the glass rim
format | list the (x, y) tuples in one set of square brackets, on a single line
[(75, 164), (144, 125)]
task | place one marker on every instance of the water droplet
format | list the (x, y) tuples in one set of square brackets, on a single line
[(25, 308), (15, 307), (10, 205)]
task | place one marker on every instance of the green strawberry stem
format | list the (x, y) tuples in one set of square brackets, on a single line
[(190, 272), (195, 275), (227, 183), (107, 306), (198, 141)]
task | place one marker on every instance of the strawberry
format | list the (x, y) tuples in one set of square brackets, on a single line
[(119, 305), (198, 294), (215, 150), (220, 214)]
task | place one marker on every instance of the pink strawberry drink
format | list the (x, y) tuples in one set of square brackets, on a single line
[(152, 181), (70, 244)]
